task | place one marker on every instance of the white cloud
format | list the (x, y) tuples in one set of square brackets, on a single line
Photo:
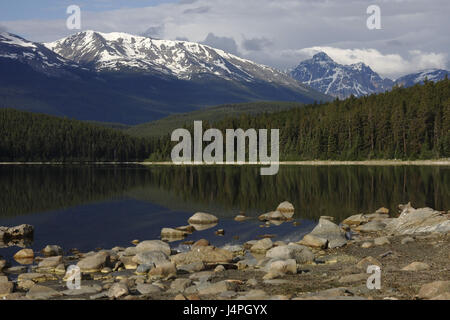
[(414, 32)]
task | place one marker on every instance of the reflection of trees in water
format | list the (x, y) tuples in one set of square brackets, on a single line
[(325, 190), (334, 190)]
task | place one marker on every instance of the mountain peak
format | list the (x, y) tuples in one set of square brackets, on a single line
[(322, 56), (329, 77)]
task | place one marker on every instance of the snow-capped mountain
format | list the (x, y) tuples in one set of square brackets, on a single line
[(325, 75), (118, 77), (35, 55), (419, 77), (181, 59)]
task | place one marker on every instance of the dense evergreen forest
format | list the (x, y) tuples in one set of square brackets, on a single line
[(27, 136), (405, 123)]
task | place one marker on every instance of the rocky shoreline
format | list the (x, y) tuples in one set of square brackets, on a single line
[(412, 252)]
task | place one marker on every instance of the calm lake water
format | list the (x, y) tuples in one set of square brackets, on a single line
[(88, 207)]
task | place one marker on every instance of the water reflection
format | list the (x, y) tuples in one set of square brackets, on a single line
[(336, 191)]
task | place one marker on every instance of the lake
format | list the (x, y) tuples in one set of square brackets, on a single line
[(89, 207)]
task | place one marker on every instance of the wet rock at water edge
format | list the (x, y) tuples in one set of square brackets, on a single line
[(313, 241), (203, 218), (331, 232), (241, 218), (52, 250), (170, 233), (17, 232), (24, 256), (286, 209)]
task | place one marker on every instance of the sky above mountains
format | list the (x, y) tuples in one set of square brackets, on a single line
[(279, 33)]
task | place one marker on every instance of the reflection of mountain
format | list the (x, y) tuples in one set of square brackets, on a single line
[(314, 191)]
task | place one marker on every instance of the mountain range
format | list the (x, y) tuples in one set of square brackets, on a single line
[(117, 77), (338, 80)]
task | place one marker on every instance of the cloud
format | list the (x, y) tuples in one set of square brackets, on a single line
[(414, 32), (3, 28), (198, 10), (154, 32), (256, 44), (388, 65), (227, 44)]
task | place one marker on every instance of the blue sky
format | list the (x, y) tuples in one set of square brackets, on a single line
[(54, 9), (278, 33)]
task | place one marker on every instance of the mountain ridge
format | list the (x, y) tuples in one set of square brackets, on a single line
[(327, 76), (138, 90)]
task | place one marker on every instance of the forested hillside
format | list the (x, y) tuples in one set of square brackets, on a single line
[(27, 136), (166, 125), (406, 123)]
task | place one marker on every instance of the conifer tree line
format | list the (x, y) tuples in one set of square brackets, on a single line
[(27, 136), (405, 123)]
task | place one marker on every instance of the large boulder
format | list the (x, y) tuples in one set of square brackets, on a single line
[(286, 209), (52, 250), (24, 254), (331, 232), (172, 234), (203, 254), (93, 262), (299, 253), (413, 221), (153, 245), (313, 241), (202, 218)]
